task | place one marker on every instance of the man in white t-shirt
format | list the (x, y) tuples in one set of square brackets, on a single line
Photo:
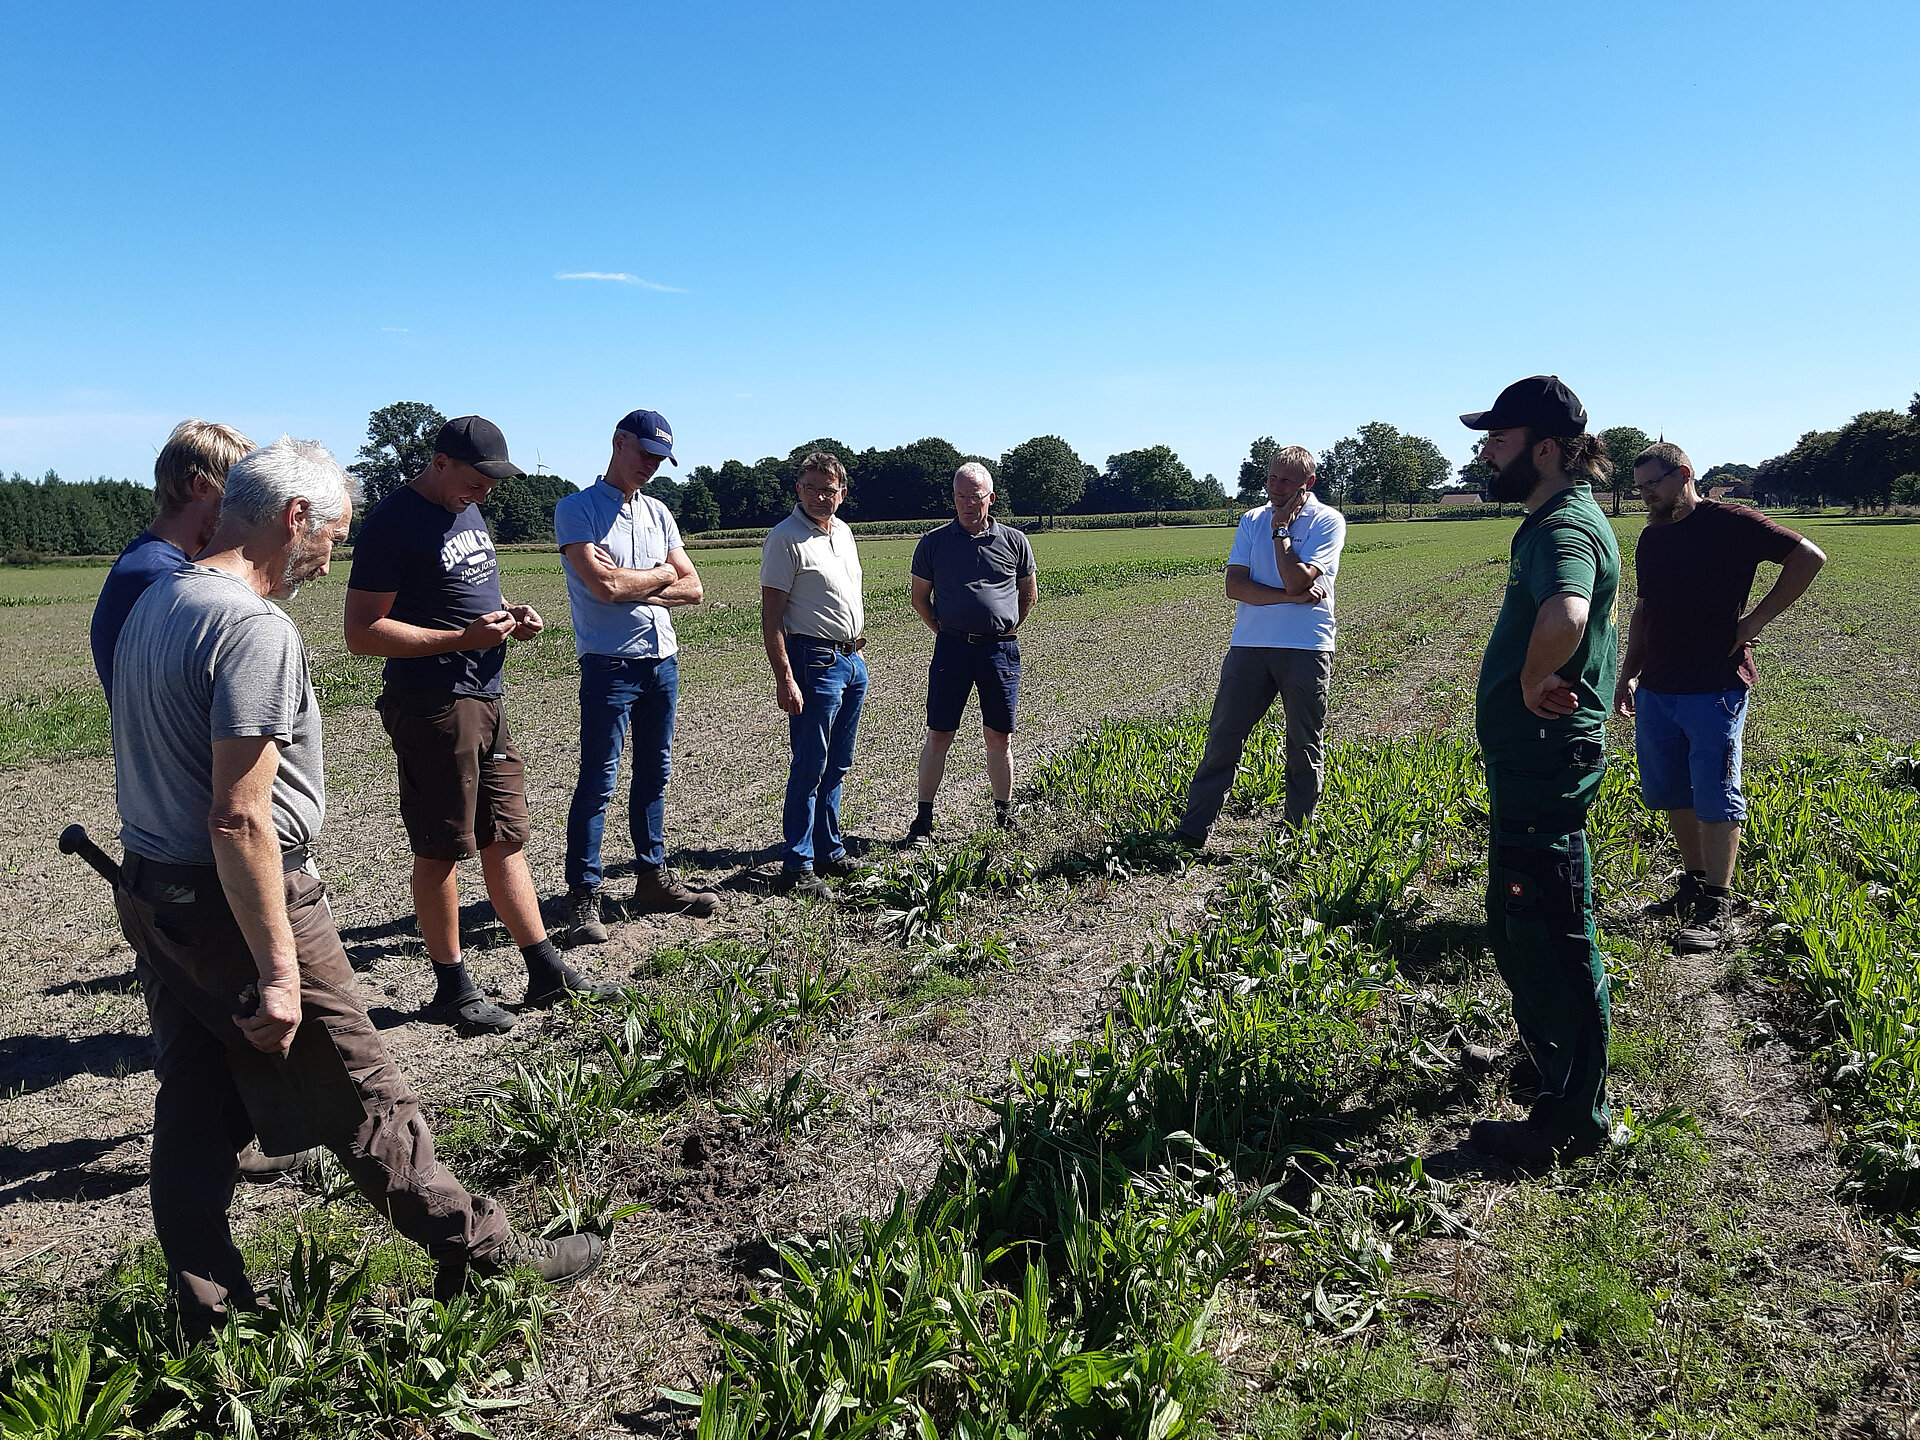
[(1281, 570)]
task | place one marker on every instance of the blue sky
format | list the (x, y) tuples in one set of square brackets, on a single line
[(1123, 224)]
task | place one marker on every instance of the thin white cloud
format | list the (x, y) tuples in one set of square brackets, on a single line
[(393, 329), (620, 277)]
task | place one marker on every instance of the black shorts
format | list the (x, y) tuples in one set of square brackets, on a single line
[(462, 784), (959, 666)]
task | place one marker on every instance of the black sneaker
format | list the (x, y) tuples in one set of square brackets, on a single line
[(1003, 814), (804, 885), (1680, 903), (470, 1014), (569, 982), (560, 1261), (1707, 928), (1524, 1145), (587, 927), (841, 867), (919, 836)]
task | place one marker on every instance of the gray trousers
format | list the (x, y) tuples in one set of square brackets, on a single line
[(1250, 677)]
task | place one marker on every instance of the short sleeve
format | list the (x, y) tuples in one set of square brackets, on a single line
[(378, 564), (778, 564), (670, 528), (1241, 552), (923, 557), (1023, 563), (1561, 561), (260, 680), (572, 523), (1325, 540), (1766, 538)]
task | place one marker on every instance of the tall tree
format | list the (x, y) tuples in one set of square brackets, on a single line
[(399, 446), (1423, 470), (1043, 476), (1379, 464), (698, 511), (1253, 471), (1149, 479), (1623, 442)]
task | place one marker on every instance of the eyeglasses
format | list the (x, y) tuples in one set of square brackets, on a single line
[(1649, 484)]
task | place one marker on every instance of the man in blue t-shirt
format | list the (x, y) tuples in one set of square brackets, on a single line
[(188, 480), (626, 569), (425, 593), (1281, 571)]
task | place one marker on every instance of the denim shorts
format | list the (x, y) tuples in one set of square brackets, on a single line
[(1689, 752)]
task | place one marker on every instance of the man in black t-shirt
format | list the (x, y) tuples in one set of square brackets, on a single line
[(1690, 650), (425, 593)]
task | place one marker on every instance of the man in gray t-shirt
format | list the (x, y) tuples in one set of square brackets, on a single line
[(257, 1029), (973, 584), (205, 658)]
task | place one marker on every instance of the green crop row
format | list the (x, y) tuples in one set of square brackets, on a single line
[(1834, 845), (1056, 1277)]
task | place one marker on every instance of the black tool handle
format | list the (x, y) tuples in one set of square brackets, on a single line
[(74, 841)]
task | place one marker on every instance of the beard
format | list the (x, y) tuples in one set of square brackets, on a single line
[(302, 565), (1515, 480)]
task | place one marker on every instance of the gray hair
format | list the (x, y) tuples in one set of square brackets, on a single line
[(263, 482), (973, 470)]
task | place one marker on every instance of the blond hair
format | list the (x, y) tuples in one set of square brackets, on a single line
[(1663, 452), (1297, 456), (197, 449)]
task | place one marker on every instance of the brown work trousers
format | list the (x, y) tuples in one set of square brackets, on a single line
[(217, 1091)]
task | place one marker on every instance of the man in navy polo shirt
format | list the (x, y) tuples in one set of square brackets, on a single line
[(973, 585), (626, 568), (425, 593)]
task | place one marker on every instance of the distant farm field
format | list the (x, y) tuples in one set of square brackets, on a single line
[(1143, 1143)]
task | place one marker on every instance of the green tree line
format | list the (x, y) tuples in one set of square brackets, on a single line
[(1870, 463), (51, 516)]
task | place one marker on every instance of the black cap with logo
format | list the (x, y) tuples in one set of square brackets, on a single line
[(650, 428), (475, 440), (1540, 403)]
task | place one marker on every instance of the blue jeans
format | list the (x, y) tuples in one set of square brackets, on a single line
[(1689, 752), (616, 693), (832, 687)]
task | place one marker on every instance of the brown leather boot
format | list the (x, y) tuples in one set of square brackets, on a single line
[(659, 892)]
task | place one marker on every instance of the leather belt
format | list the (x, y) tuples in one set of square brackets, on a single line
[(996, 638), (136, 868), (845, 647)]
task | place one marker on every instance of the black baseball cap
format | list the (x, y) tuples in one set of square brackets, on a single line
[(1540, 403), (650, 428), (475, 440)]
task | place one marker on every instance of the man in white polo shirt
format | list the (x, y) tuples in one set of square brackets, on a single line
[(1281, 570), (811, 618)]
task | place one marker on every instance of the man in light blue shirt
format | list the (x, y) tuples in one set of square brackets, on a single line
[(626, 569), (1281, 571)]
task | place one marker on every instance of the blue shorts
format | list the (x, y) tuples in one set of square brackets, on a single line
[(1689, 752), (959, 665)]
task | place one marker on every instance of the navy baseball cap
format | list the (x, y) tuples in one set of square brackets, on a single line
[(475, 440), (650, 428), (1540, 403)]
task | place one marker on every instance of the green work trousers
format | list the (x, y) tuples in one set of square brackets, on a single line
[(1540, 925)]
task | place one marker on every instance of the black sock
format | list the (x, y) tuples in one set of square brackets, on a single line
[(545, 968), (1715, 892), (452, 982), (1002, 809), (926, 814), (1699, 877)]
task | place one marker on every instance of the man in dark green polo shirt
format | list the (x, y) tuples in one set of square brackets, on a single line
[(1541, 713)]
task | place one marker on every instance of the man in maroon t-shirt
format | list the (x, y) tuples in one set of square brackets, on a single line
[(1690, 648)]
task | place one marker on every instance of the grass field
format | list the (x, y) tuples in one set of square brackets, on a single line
[(1211, 1184)]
